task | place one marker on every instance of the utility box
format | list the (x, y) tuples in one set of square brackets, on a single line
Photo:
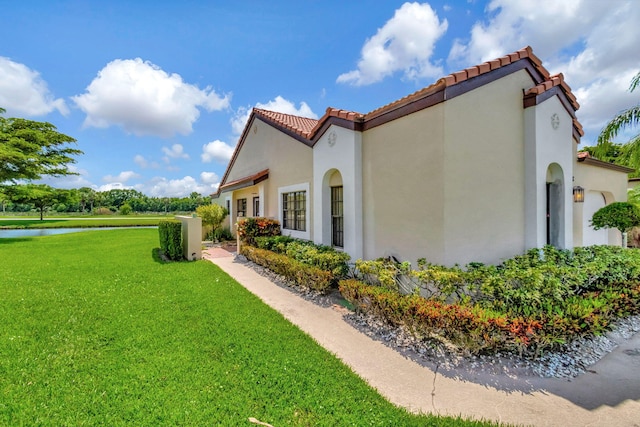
[(191, 237)]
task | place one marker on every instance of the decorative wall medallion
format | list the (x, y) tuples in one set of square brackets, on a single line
[(555, 121), (332, 138)]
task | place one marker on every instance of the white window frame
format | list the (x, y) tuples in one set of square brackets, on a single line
[(306, 235)]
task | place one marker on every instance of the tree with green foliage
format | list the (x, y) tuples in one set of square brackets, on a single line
[(212, 215), (30, 149), (622, 216), (628, 118), (41, 196)]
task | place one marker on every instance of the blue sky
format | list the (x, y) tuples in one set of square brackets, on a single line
[(157, 92)]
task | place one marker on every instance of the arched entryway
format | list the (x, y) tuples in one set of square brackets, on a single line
[(333, 201), (555, 206)]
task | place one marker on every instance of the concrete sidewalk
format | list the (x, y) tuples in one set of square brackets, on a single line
[(610, 396)]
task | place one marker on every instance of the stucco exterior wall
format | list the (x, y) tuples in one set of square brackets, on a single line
[(289, 161), (550, 150), (402, 182), (340, 150), (222, 201), (483, 173), (595, 179)]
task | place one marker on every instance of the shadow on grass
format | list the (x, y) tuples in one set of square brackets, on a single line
[(7, 240), (28, 223), (156, 254)]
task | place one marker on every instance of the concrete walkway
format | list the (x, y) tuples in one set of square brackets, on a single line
[(608, 396)]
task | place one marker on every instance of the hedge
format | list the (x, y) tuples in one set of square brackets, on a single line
[(321, 256), (469, 328), (300, 274), (170, 232)]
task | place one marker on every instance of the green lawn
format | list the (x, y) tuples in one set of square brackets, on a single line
[(96, 331), (116, 221)]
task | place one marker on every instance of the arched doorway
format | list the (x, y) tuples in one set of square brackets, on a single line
[(555, 206)]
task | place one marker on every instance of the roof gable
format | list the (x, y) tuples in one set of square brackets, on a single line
[(309, 131)]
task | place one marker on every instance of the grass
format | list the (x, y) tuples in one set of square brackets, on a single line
[(116, 221), (96, 330)]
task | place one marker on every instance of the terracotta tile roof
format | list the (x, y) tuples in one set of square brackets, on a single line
[(300, 125), (467, 73), (588, 159), (578, 127), (553, 81), (248, 180), (307, 128)]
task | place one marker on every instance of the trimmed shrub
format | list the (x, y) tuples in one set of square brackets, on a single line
[(276, 244), (222, 234), (469, 328), (300, 274), (567, 293), (170, 232), (250, 228), (321, 256)]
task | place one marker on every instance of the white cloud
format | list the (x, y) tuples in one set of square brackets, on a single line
[(592, 42), (210, 178), (113, 186), (405, 43), (69, 181), (216, 150), (162, 187), (516, 23), (278, 104), (24, 92), (141, 161), (175, 152), (145, 100), (122, 177)]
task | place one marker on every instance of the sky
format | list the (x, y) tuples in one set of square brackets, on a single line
[(157, 93)]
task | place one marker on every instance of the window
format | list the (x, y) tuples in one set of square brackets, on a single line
[(228, 206), (337, 219), (294, 210), (241, 208), (256, 206)]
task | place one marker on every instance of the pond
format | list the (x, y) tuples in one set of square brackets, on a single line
[(35, 232)]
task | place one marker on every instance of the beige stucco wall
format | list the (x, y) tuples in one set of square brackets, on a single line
[(484, 172), (612, 184), (447, 183), (289, 162), (222, 201), (402, 181)]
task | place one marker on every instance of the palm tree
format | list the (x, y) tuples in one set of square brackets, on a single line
[(627, 118)]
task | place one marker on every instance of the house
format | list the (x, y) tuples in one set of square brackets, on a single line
[(479, 166)]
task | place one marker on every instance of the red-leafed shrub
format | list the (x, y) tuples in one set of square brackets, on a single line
[(250, 228)]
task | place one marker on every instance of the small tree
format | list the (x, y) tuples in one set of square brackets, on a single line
[(622, 216), (41, 196), (212, 215)]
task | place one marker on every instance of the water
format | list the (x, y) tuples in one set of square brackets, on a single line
[(36, 232)]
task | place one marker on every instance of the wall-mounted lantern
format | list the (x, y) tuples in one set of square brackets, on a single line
[(578, 194)]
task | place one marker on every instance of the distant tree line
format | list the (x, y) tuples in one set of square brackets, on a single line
[(85, 200)]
